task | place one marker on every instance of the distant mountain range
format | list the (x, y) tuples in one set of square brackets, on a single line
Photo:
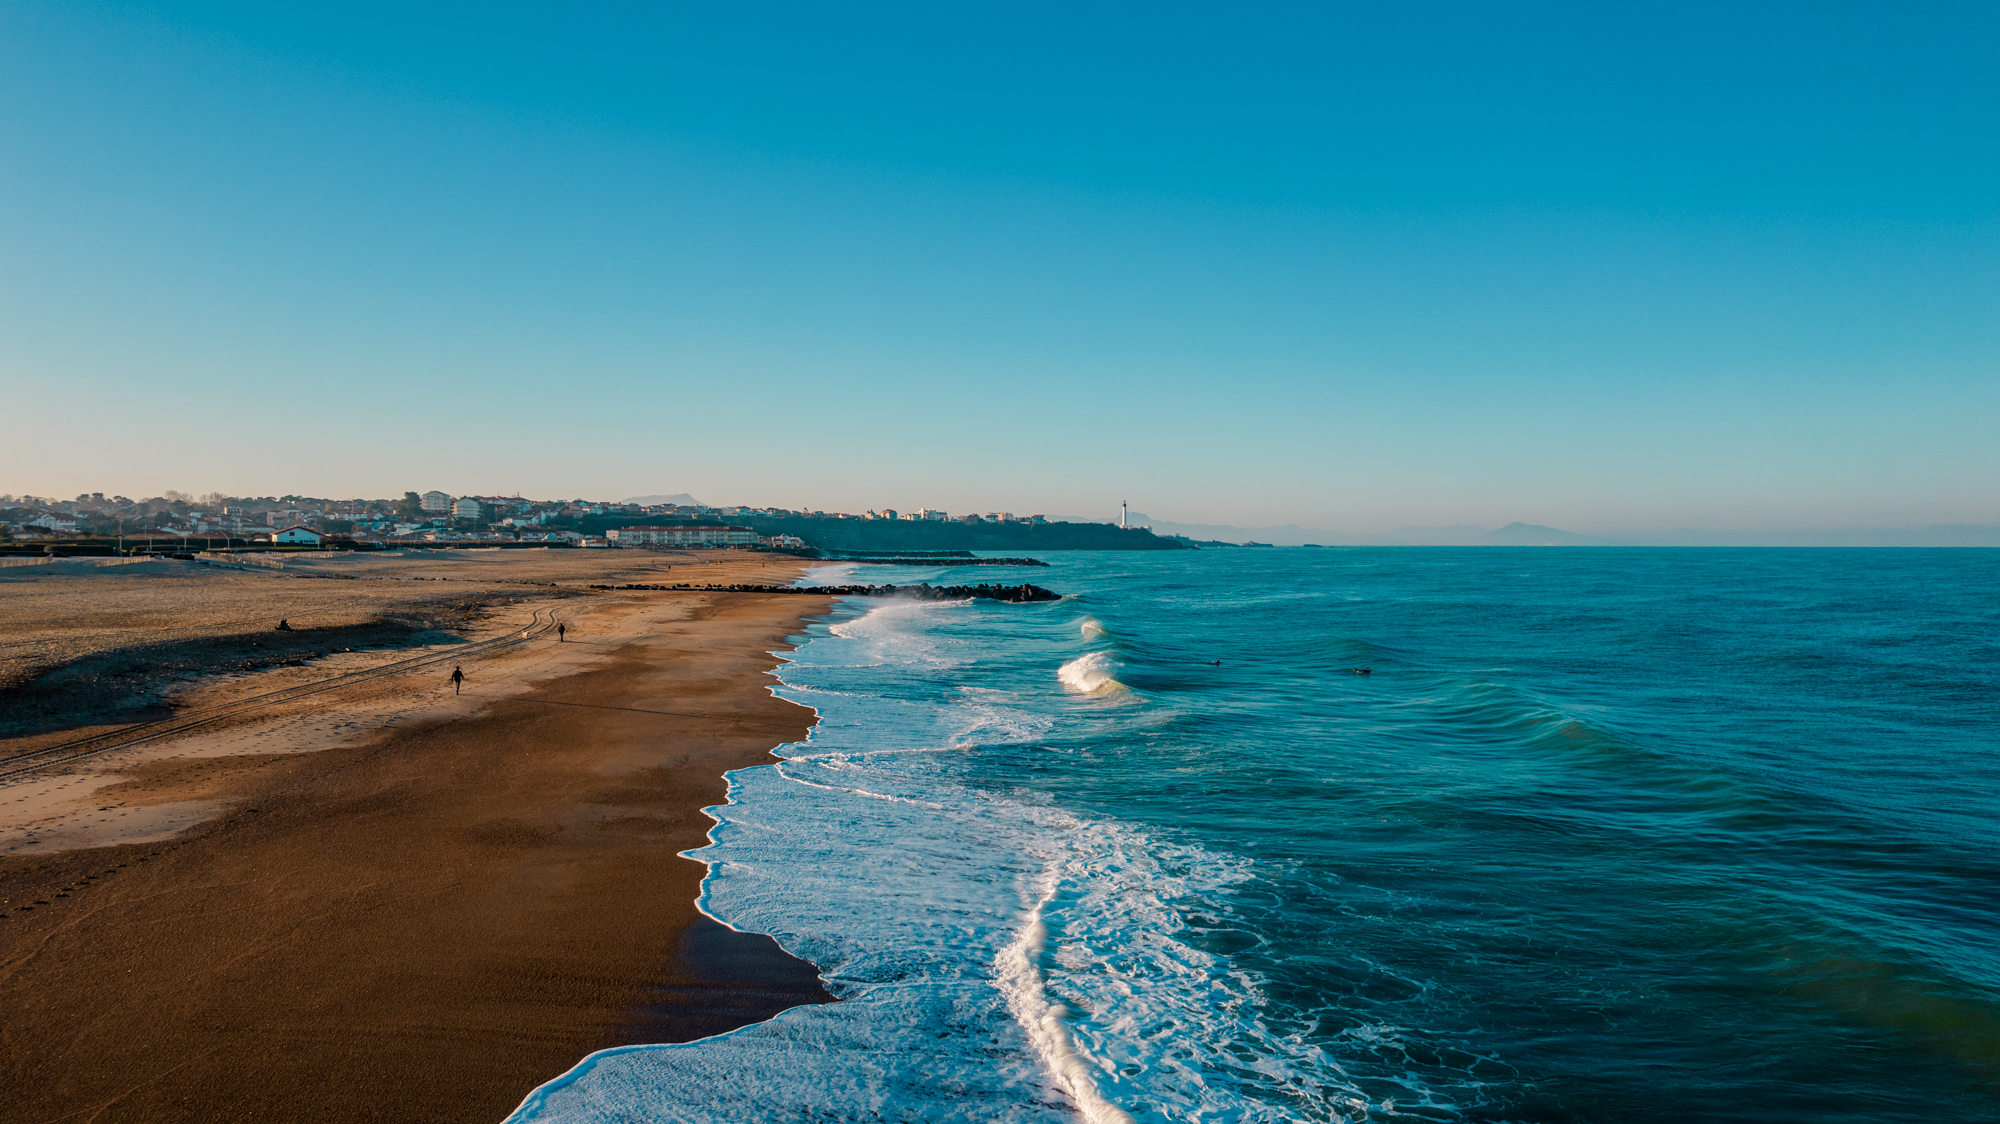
[(1291, 534), (1530, 534)]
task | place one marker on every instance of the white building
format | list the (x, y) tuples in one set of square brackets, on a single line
[(685, 535), (465, 509), (297, 534), (436, 502)]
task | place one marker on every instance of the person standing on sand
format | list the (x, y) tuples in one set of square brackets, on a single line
[(560, 629), (457, 679)]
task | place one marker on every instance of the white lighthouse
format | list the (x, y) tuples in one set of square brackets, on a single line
[(1124, 511)]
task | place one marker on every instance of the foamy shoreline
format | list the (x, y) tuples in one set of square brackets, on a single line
[(944, 1003)]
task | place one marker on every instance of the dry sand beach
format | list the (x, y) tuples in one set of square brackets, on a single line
[(385, 901)]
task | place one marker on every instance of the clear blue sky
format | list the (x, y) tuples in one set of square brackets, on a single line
[(1604, 267)]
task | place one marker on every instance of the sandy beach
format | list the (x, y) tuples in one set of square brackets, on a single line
[(389, 902)]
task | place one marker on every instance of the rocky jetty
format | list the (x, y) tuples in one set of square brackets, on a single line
[(906, 560), (1011, 593), (903, 553)]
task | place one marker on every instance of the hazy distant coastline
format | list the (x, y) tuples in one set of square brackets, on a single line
[(176, 523), (1529, 534)]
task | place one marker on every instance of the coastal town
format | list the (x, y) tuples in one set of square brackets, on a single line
[(178, 523)]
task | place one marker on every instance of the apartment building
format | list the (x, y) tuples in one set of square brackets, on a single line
[(690, 535)]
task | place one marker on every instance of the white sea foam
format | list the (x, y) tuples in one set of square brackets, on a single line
[(892, 632), (997, 957), (861, 792), (1018, 975), (1093, 673), (832, 573), (1094, 629)]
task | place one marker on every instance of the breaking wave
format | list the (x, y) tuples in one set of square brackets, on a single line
[(1095, 673)]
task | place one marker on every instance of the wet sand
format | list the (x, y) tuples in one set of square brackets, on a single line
[(419, 924)]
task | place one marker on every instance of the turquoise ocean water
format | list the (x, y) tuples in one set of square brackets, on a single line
[(1603, 835)]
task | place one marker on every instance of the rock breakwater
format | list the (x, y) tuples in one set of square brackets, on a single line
[(905, 560), (920, 592)]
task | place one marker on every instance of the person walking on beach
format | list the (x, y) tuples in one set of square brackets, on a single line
[(457, 679), (560, 629)]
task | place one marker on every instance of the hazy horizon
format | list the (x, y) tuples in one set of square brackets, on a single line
[(1292, 534), (1729, 269)]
